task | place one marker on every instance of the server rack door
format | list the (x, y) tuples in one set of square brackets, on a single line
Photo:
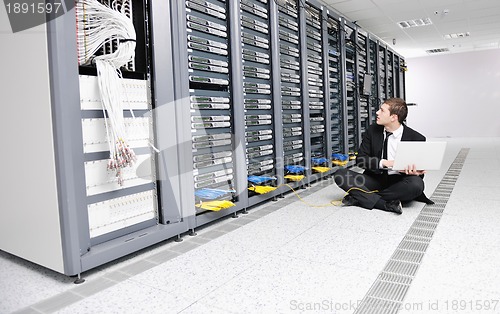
[(336, 87), (350, 77), (215, 94), (291, 89), (402, 80), (382, 54), (260, 122), (390, 74), (373, 68), (396, 75), (362, 64), (120, 168), (316, 88)]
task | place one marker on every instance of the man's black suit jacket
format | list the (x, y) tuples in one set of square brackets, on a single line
[(370, 151)]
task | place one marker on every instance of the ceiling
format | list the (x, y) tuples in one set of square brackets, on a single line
[(481, 18)]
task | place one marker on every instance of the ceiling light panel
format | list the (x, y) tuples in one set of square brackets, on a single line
[(438, 50), (457, 35), (415, 23)]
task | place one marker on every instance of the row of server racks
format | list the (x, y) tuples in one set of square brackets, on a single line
[(219, 92)]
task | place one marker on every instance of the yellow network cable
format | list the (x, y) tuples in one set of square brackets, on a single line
[(294, 177), (302, 200), (334, 202), (219, 205), (262, 189), (215, 205), (320, 169), (340, 162)]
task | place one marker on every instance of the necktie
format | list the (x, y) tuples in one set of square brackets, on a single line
[(384, 152)]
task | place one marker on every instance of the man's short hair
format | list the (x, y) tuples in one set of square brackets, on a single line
[(398, 107)]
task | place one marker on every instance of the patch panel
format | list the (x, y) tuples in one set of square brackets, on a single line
[(95, 137), (122, 212), (136, 94), (100, 180)]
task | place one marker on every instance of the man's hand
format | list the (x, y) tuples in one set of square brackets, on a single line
[(412, 170), (387, 163)]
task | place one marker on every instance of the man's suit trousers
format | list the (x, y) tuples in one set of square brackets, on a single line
[(388, 187)]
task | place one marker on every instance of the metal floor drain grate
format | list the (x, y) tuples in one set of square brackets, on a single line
[(387, 293)]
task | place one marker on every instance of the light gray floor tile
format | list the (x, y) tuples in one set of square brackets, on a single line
[(281, 284), (57, 302), (197, 272), (357, 218), (27, 310), (430, 297), (23, 283), (132, 258), (351, 248), (92, 286), (461, 264), (470, 225), (475, 193), (129, 297), (199, 307), (272, 231), (480, 176)]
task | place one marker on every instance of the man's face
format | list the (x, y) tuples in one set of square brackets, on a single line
[(384, 117)]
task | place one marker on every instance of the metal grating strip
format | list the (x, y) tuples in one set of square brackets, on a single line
[(430, 219), (413, 245), (387, 293), (387, 289), (400, 267), (424, 225), (412, 238), (379, 306), (404, 280), (424, 233), (407, 256)]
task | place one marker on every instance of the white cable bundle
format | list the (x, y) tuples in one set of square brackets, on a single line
[(97, 25)]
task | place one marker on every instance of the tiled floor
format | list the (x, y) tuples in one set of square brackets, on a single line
[(290, 257)]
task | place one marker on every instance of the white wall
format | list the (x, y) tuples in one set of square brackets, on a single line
[(457, 95)]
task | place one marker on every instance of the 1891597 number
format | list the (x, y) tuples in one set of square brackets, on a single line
[(33, 8)]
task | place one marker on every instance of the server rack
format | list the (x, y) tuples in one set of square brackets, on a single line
[(119, 206), (258, 91), (402, 82), (278, 171), (208, 67), (373, 68), (293, 99), (362, 64), (336, 87), (382, 73), (317, 83), (399, 71), (391, 86), (351, 86)]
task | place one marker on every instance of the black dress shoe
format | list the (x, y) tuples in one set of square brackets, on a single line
[(394, 207), (422, 198), (348, 200)]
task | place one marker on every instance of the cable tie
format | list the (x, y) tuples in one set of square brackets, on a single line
[(154, 148), (125, 40)]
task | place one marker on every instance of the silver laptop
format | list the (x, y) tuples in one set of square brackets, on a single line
[(424, 155)]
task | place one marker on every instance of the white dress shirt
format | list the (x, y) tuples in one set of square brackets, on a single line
[(392, 145)]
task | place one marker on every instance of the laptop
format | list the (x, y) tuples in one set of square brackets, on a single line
[(424, 155)]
